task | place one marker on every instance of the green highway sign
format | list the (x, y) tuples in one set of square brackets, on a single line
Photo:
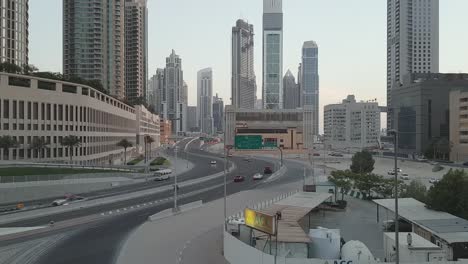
[(249, 142)]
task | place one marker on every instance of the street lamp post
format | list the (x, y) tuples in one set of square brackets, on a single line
[(176, 208), (281, 153), (397, 237), (226, 154)]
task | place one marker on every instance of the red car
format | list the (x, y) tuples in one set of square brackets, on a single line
[(267, 170), (239, 179)]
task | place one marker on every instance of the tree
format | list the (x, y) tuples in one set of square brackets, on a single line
[(10, 67), (416, 189), (368, 183), (71, 142), (38, 144), (450, 194), (148, 140), (49, 75), (29, 68), (7, 142), (124, 143), (362, 162), (342, 180)]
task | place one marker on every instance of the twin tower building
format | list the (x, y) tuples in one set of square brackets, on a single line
[(278, 92)]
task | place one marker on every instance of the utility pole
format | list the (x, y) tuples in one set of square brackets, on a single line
[(176, 208)]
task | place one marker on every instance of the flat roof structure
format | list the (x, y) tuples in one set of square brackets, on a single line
[(418, 242), (448, 227), (293, 209)]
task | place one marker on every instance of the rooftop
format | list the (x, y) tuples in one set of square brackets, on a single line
[(418, 242), (451, 228), (293, 209)]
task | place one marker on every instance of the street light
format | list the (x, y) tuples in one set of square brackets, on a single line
[(176, 208), (397, 237)]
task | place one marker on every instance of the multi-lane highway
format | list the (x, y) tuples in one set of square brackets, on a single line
[(99, 241)]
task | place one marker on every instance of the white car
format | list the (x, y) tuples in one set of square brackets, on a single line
[(162, 178), (258, 176), (213, 162), (59, 202), (404, 177), (163, 172), (434, 180)]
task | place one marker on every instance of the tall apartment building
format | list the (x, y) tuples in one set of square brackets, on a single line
[(136, 49), (272, 54), (310, 79), (173, 100), (351, 124), (292, 95), (243, 81), (412, 41), (155, 90), (93, 42), (14, 32), (218, 114), (192, 124), (205, 100)]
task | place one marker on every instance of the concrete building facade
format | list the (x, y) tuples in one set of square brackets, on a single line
[(272, 88), (205, 100), (243, 81), (192, 124), (218, 114), (423, 110), (173, 99), (292, 95), (14, 33), (309, 81), (136, 49), (166, 131), (352, 125), (287, 129), (93, 42), (458, 102), (412, 41), (155, 90), (34, 107)]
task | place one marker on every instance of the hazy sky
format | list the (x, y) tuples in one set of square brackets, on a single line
[(351, 36)]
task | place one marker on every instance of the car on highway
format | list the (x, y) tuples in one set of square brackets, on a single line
[(257, 176), (163, 172), (267, 170), (239, 178), (229, 155), (433, 180), (465, 163), (404, 177), (247, 159), (70, 198), (333, 154), (316, 154), (213, 162), (162, 178)]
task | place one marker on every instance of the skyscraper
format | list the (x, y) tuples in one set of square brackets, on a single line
[(93, 42), (155, 90), (136, 49), (15, 32), (205, 100), (174, 106), (310, 80), (292, 94), (192, 125), (243, 81), (218, 114), (412, 41), (272, 54)]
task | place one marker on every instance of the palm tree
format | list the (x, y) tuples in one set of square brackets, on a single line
[(124, 143), (39, 144), (71, 142), (7, 142), (149, 140)]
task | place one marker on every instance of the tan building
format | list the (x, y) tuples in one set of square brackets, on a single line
[(148, 126), (33, 107), (287, 128), (166, 131), (459, 125)]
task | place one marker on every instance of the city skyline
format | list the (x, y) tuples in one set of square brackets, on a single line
[(367, 81)]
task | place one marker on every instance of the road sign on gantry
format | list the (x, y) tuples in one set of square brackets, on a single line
[(249, 142)]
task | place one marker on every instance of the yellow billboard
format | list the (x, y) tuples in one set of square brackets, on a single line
[(260, 221)]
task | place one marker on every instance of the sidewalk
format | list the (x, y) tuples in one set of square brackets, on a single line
[(169, 240)]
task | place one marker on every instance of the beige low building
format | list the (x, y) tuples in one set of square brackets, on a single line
[(459, 126), (33, 107)]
